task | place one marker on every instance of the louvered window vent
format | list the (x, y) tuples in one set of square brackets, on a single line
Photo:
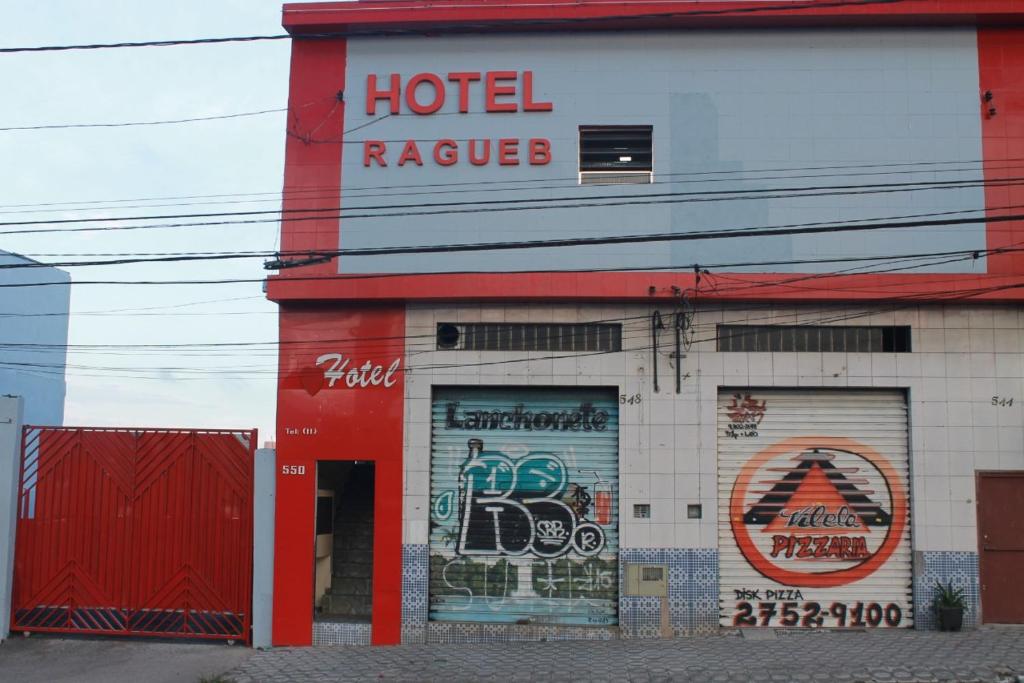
[(618, 155), (814, 339), (557, 337)]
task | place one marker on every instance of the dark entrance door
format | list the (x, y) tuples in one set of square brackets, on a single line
[(1001, 542), (344, 542)]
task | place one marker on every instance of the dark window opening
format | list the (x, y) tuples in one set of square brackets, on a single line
[(806, 338), (616, 154)]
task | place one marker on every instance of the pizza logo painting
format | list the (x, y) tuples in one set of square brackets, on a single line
[(818, 511), (746, 408)]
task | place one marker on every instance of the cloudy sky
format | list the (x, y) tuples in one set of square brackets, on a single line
[(229, 387)]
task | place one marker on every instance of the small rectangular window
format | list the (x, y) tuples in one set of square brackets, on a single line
[(616, 154)]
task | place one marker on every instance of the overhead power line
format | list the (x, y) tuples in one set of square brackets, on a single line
[(474, 27), (673, 237), (271, 371), (852, 189), (498, 206), (112, 259), (963, 255), (682, 177), (125, 124), (145, 43)]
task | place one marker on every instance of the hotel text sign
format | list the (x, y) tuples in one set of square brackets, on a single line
[(423, 94)]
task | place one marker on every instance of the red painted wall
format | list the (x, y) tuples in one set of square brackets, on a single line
[(513, 15), (1001, 63), (316, 421), (312, 176)]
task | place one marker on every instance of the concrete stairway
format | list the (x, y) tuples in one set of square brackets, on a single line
[(350, 595)]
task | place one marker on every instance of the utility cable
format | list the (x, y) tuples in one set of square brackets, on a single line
[(126, 124), (563, 356), (684, 198), (362, 340), (170, 257), (855, 189), (488, 185), (434, 28)]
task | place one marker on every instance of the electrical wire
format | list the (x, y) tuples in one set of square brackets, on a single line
[(320, 342), (271, 372), (511, 184), (126, 124), (164, 257), (828, 189), (966, 254), (685, 198), (475, 26)]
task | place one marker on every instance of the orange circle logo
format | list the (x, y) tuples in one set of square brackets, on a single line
[(818, 511)]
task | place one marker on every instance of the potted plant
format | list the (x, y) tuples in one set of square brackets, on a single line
[(949, 605)]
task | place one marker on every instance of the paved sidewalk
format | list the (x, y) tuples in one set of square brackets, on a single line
[(988, 654), (49, 659)]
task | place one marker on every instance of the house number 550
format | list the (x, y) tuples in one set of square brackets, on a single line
[(293, 469)]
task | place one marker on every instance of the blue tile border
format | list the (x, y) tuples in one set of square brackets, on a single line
[(339, 633), (960, 568), (415, 578), (692, 592), (692, 600)]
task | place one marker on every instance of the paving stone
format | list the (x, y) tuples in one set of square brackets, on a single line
[(985, 655)]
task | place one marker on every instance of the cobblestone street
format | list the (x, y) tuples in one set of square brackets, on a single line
[(986, 654)]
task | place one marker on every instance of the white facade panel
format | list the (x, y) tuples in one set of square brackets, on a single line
[(742, 111), (957, 402)]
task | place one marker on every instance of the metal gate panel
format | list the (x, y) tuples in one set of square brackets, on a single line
[(135, 532), (524, 506), (814, 508)]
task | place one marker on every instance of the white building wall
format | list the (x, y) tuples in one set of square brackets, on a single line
[(963, 357), (33, 337)]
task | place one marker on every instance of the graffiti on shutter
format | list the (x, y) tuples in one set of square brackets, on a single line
[(814, 525), (524, 506)]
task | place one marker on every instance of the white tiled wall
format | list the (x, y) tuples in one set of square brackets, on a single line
[(963, 357)]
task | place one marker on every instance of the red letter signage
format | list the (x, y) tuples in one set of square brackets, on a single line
[(427, 93)]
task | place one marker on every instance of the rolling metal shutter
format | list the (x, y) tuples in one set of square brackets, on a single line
[(814, 515), (524, 506)]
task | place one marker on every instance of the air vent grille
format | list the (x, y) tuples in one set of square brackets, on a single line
[(814, 339), (557, 337)]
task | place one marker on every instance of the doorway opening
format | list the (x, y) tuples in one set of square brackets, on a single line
[(343, 581), (1001, 546)]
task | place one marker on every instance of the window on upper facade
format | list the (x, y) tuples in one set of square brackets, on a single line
[(814, 339), (561, 337), (616, 154)]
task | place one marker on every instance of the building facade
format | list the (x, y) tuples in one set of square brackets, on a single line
[(647, 319), (34, 325)]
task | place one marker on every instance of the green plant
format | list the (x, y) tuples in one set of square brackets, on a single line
[(948, 597)]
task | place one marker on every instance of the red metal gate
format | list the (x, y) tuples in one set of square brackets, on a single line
[(135, 532)]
